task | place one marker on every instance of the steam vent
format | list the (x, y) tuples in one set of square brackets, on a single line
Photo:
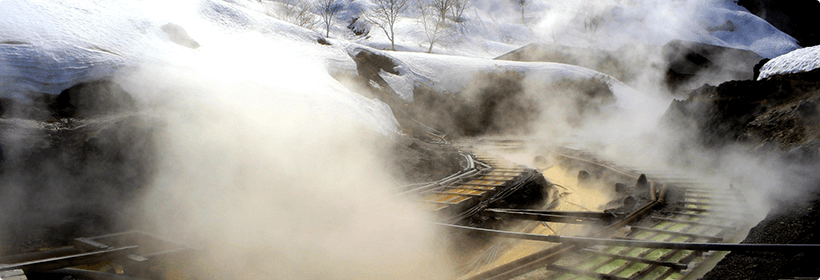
[(409, 139)]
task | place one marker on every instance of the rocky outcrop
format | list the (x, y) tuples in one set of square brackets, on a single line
[(683, 63), (73, 167), (779, 112)]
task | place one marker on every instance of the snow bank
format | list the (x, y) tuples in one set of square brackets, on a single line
[(633, 112), (802, 60), (453, 73)]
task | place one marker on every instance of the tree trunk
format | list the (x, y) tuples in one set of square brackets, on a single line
[(392, 39)]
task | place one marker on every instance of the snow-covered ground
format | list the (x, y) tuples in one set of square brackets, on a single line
[(490, 28), (47, 47), (801, 60)]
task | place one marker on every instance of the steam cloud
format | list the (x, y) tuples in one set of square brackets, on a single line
[(271, 167)]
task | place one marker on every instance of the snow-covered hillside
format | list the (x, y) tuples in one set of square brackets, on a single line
[(46, 47), (490, 28)]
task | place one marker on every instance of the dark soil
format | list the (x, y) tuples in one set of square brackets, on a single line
[(788, 224), (780, 111), (777, 117)]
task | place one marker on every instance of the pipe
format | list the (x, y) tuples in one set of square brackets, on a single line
[(643, 244), (447, 180), (537, 259), (598, 164), (662, 195), (70, 260), (53, 253)]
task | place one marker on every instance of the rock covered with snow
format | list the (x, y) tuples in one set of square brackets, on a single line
[(801, 60)]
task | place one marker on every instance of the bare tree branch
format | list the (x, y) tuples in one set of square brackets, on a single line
[(432, 22), (591, 16), (458, 9), (327, 10), (385, 14), (522, 4), (441, 7), (298, 13)]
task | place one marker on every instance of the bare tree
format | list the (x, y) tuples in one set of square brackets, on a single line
[(299, 13), (592, 17), (327, 10), (385, 14), (441, 8), (522, 4), (433, 22), (458, 8)]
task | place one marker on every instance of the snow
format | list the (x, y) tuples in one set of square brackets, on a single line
[(452, 74), (801, 60), (492, 28), (48, 46)]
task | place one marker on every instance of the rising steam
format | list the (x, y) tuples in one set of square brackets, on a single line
[(272, 168)]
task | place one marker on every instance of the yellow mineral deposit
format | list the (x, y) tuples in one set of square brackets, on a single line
[(589, 197), (572, 197)]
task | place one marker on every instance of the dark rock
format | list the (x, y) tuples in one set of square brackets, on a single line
[(35, 107), (92, 99), (629, 202), (357, 27), (685, 63), (322, 41), (757, 68), (643, 183), (583, 176), (778, 110), (541, 162), (64, 178), (620, 187), (376, 62)]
